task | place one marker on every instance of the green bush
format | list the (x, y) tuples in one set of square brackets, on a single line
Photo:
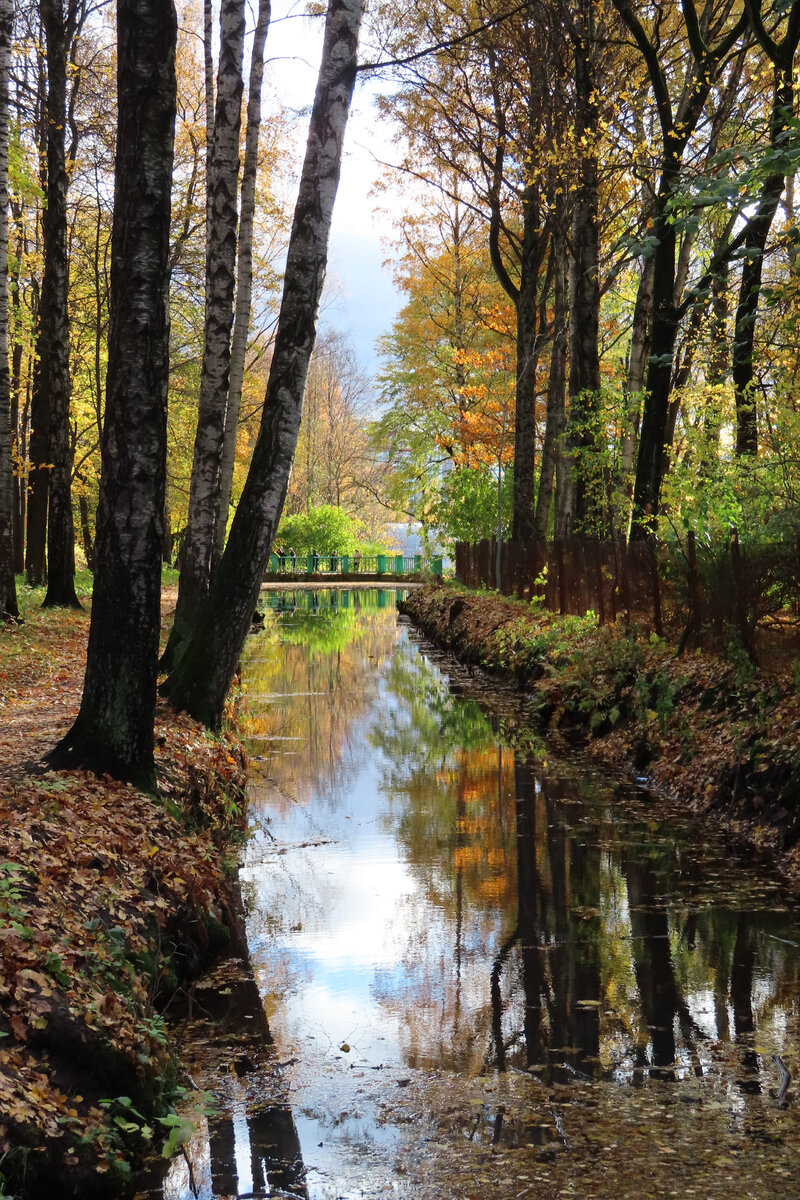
[(323, 529)]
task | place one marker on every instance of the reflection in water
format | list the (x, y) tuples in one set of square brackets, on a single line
[(275, 1159), (248, 1143), (424, 899)]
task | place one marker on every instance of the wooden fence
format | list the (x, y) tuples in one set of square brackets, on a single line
[(686, 584)]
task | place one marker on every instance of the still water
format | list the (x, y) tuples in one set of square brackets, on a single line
[(477, 969)]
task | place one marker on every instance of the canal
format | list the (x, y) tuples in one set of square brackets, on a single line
[(477, 967)]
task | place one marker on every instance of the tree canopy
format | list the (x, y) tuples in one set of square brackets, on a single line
[(596, 238)]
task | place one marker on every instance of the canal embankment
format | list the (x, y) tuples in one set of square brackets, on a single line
[(111, 901), (714, 730)]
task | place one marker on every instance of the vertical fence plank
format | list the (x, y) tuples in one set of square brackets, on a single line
[(624, 551), (740, 598), (558, 546), (652, 551), (695, 621), (599, 605)]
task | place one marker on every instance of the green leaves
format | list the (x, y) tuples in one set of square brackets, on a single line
[(323, 528), (180, 1131), (467, 506), (130, 1121)]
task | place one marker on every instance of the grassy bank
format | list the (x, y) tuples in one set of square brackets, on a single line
[(710, 728), (109, 901)]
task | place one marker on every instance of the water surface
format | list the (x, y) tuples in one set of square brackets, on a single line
[(477, 970)]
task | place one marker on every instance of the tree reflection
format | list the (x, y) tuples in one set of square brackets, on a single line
[(741, 994), (228, 1044), (305, 688), (608, 947), (558, 934), (222, 1151), (276, 1160), (659, 994), (275, 1157), (554, 925)]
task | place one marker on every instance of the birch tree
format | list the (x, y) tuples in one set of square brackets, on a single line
[(114, 728), (244, 278), (223, 176), (201, 677)]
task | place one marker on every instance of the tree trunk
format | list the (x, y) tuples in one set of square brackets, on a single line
[(39, 439), (223, 173), (531, 253), (208, 72), (523, 522), (19, 441), (584, 293), (166, 545), (244, 279), (637, 364), (114, 728), (8, 590), (208, 81), (717, 367), (752, 267), (86, 531), (652, 439), (19, 494), (552, 448), (200, 680), (54, 319)]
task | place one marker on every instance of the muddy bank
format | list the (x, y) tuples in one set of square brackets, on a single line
[(110, 901), (714, 731)]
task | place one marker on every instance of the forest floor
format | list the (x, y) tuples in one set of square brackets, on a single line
[(710, 727), (110, 900)]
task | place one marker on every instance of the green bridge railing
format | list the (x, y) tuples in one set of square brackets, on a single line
[(350, 564)]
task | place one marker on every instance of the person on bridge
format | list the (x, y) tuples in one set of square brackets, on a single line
[(334, 561), (356, 561)]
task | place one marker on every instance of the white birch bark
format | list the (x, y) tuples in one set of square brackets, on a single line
[(244, 277), (114, 729), (223, 177), (200, 680)]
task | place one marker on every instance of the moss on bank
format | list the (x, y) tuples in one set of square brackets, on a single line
[(713, 730)]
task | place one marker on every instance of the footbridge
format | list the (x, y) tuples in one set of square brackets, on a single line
[(352, 567)]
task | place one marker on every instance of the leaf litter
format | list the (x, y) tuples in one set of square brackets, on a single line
[(107, 898)]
